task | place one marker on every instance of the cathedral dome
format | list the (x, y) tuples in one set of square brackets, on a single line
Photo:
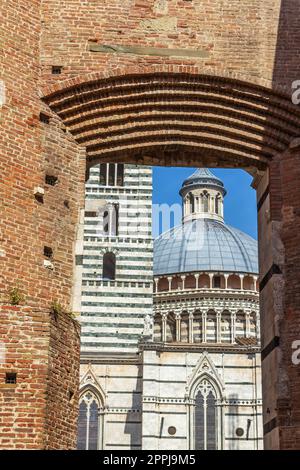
[(205, 245), (203, 242)]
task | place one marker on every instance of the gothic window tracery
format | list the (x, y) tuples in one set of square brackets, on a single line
[(89, 422), (205, 421)]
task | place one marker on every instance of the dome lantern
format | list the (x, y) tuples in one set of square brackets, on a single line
[(202, 196)]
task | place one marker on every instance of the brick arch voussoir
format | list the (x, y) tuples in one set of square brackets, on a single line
[(257, 117), (188, 70)]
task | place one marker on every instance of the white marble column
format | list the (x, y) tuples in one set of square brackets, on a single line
[(156, 285), (232, 317), (170, 282), (218, 325), (110, 219), (197, 280), (247, 314), (183, 282), (107, 174), (211, 276), (191, 327), (204, 316), (226, 276), (116, 173), (164, 327), (178, 327), (242, 281)]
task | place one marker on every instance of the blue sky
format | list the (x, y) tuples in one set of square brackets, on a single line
[(240, 202)]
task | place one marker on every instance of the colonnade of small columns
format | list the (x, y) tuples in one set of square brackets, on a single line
[(211, 326), (205, 281), (204, 202)]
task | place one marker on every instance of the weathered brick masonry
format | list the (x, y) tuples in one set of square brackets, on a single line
[(37, 412), (166, 82)]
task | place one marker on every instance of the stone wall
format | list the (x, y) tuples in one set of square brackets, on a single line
[(170, 379)]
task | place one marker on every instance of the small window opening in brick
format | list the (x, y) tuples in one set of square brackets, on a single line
[(10, 378), (56, 69), (51, 180), (45, 118), (71, 396), (39, 198), (90, 214), (48, 252), (67, 204)]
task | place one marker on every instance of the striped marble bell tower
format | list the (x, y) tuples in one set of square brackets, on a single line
[(116, 263)]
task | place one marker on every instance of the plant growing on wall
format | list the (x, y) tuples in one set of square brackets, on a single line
[(15, 295), (58, 309)]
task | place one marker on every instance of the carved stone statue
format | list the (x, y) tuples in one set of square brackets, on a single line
[(148, 325)]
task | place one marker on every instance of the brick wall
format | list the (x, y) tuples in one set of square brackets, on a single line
[(30, 149), (40, 410), (237, 36)]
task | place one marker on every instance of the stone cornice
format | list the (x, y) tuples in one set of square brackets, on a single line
[(198, 347), (95, 358)]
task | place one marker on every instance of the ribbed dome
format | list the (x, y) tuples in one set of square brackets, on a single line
[(205, 245), (202, 177)]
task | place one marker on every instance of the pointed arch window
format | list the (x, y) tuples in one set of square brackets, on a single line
[(89, 422), (205, 419)]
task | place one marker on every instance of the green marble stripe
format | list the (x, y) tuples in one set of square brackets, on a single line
[(112, 325), (110, 335), (121, 258), (111, 315), (109, 345), (116, 305)]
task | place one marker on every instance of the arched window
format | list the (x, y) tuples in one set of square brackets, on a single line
[(205, 420), (205, 202), (192, 204), (217, 204), (171, 328), (89, 426), (109, 266), (217, 282)]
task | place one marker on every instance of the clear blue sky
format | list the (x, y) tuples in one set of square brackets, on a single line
[(240, 202)]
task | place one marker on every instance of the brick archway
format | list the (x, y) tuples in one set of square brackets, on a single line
[(156, 117), (189, 119)]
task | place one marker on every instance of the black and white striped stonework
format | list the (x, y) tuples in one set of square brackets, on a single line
[(113, 311)]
